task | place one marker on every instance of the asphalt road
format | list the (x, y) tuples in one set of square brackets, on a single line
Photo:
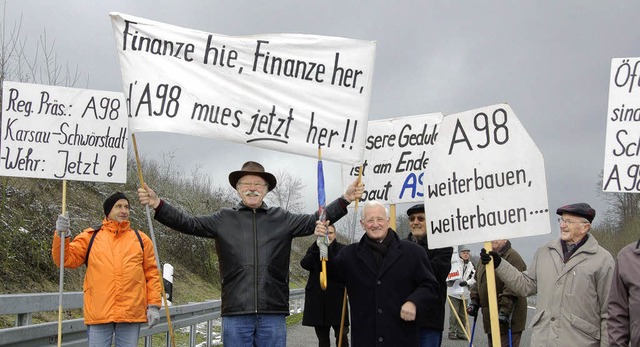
[(302, 336)]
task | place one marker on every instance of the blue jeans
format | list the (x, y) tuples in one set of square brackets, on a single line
[(254, 330), (101, 335), (430, 337)]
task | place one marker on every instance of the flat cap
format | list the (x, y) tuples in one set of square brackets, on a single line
[(581, 209), (419, 208)]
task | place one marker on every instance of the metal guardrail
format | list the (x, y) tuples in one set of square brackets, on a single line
[(74, 330)]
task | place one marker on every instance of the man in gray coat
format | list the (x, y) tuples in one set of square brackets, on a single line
[(571, 276)]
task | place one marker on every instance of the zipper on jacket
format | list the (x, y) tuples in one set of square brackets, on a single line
[(255, 261)]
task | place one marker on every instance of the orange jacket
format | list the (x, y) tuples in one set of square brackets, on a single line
[(121, 279)]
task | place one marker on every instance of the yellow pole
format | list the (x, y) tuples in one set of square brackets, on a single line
[(455, 313), (155, 248), (493, 303), (61, 284), (392, 216)]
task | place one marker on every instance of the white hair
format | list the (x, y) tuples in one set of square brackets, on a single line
[(374, 203)]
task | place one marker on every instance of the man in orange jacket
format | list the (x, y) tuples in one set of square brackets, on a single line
[(122, 283)]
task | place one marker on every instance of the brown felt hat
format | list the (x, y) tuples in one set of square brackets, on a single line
[(252, 168)]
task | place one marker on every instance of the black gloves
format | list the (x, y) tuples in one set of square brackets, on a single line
[(486, 257), (472, 309), (503, 318), (463, 284)]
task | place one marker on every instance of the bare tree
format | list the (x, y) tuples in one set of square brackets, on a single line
[(40, 65), (623, 207), (288, 193), (20, 64), (619, 225)]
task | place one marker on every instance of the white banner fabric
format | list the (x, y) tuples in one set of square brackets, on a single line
[(397, 151), (284, 92)]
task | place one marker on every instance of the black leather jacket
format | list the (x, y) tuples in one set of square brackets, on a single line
[(254, 249)]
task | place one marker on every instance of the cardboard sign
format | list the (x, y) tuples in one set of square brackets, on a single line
[(63, 133), (397, 151), (286, 92), (621, 172), (485, 180)]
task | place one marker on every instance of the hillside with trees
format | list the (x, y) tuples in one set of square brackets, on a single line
[(29, 208)]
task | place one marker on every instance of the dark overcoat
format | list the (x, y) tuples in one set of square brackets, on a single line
[(440, 259), (322, 307), (376, 295)]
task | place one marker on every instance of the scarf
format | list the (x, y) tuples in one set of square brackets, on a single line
[(379, 249)]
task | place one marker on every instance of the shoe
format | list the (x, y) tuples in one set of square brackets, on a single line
[(453, 336)]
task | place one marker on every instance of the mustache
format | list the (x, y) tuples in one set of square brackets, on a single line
[(251, 193)]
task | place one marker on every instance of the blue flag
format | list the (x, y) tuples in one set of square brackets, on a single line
[(321, 195)]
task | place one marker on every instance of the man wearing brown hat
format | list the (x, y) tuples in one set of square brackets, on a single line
[(572, 276), (122, 283), (253, 243)]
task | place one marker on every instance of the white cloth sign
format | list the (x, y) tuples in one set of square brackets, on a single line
[(396, 152), (285, 92), (485, 180), (621, 172), (63, 133)]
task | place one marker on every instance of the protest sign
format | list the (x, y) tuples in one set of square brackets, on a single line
[(63, 133), (485, 180), (286, 92), (396, 152), (621, 172)]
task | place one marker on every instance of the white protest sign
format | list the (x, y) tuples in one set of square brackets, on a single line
[(396, 152), (285, 92), (621, 172), (485, 180), (63, 133)]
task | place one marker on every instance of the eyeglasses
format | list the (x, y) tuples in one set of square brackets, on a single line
[(252, 184), (569, 222), (374, 221), (419, 218)]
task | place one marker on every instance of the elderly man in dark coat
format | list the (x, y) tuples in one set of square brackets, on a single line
[(323, 308), (389, 281), (431, 325)]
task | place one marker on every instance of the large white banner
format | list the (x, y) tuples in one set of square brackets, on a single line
[(621, 172), (485, 180), (285, 92), (63, 133), (396, 152)]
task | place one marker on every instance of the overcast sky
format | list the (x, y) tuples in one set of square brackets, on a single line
[(550, 60)]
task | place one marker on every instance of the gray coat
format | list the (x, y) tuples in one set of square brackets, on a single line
[(624, 298), (572, 297)]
